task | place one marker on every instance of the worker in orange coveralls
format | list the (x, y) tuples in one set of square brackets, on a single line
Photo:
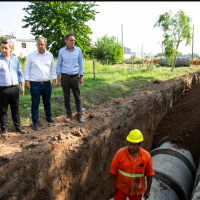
[(128, 169)]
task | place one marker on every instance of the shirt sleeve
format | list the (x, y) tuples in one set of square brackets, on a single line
[(59, 63), (80, 62), (27, 68), (149, 167), (114, 164), (19, 73), (53, 69)]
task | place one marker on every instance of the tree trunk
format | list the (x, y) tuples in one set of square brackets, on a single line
[(175, 57), (174, 63)]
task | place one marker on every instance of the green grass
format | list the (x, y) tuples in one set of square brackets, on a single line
[(111, 82)]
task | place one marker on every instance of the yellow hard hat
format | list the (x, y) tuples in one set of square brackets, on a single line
[(135, 136)]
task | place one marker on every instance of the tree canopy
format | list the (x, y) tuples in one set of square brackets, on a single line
[(176, 28), (54, 19), (110, 49)]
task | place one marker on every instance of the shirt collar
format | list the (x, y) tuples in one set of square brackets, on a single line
[(45, 53), (140, 152), (72, 49), (11, 56)]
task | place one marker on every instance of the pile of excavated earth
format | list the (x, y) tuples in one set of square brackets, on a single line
[(69, 160)]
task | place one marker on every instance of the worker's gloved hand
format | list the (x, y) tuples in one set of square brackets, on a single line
[(146, 194)]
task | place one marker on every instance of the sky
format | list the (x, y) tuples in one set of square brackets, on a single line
[(136, 17)]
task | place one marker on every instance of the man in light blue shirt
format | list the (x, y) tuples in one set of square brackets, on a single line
[(69, 65), (11, 75)]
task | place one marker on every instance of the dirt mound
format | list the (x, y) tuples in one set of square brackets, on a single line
[(71, 160)]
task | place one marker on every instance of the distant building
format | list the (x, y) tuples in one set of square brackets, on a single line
[(142, 55), (22, 46)]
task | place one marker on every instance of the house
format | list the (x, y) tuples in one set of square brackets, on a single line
[(22, 46)]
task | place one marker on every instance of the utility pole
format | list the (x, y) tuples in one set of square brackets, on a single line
[(192, 43), (122, 45), (142, 52)]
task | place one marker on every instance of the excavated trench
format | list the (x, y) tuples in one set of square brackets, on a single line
[(71, 160)]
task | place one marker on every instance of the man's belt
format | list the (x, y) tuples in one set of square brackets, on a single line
[(40, 81), (70, 75), (7, 86)]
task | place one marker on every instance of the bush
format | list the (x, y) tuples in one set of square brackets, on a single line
[(22, 59), (135, 61)]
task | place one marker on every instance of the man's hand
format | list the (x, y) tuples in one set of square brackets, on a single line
[(58, 80), (146, 194), (22, 88), (81, 79), (113, 190), (112, 184), (27, 85), (54, 83)]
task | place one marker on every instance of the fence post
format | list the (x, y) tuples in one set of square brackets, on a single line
[(94, 70), (132, 65)]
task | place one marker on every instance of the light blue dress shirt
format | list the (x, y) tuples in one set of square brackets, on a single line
[(69, 62), (10, 72)]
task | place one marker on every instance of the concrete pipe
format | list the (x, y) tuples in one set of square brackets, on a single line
[(174, 168), (196, 189)]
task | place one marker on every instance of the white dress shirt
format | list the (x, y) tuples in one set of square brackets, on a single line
[(39, 67)]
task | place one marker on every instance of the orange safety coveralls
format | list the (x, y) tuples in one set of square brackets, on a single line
[(131, 174)]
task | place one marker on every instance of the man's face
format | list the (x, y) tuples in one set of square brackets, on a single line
[(41, 46), (5, 50), (133, 147), (70, 42)]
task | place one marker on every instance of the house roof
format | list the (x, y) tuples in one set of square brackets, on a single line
[(18, 39), (25, 40), (11, 37)]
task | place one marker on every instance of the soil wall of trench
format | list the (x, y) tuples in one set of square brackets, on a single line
[(71, 161)]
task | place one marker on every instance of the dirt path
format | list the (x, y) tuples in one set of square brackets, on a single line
[(182, 124)]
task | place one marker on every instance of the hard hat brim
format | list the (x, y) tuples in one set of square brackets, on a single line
[(134, 141)]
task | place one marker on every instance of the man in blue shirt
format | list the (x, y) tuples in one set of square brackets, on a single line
[(11, 75), (68, 64)]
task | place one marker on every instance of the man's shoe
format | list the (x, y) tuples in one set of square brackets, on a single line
[(4, 133), (51, 121), (35, 127), (68, 118), (80, 120), (19, 130)]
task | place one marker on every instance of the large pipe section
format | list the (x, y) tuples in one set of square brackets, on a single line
[(196, 189), (175, 173)]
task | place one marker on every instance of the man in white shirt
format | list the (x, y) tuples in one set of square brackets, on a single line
[(39, 68)]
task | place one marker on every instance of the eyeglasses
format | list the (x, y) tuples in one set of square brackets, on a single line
[(72, 40)]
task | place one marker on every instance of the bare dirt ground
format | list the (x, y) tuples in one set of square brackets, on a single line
[(182, 124), (59, 167)]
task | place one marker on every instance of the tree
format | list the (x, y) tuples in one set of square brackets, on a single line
[(54, 19), (176, 29), (110, 49)]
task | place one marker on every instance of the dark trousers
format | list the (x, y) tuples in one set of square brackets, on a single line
[(9, 95), (72, 82), (36, 90)]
